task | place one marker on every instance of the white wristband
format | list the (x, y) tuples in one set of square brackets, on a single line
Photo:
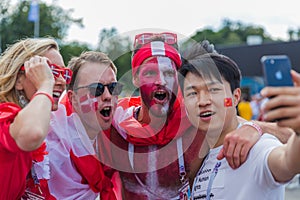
[(257, 127)]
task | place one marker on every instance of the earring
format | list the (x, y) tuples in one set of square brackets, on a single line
[(23, 101)]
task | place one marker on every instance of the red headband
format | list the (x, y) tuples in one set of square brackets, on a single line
[(156, 48)]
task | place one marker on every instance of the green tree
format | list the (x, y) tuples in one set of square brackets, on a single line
[(4, 5), (118, 48), (291, 33), (230, 33), (54, 22), (72, 49)]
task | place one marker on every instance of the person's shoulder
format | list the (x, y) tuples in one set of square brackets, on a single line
[(269, 137), (8, 110), (266, 143)]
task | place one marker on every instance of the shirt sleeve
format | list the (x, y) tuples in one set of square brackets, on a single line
[(262, 151), (8, 112)]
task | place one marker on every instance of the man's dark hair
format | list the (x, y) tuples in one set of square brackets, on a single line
[(209, 65)]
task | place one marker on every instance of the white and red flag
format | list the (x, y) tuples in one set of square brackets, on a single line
[(76, 172)]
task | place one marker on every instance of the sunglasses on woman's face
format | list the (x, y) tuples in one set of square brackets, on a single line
[(97, 89), (57, 71)]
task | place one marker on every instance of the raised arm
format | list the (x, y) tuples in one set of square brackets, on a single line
[(30, 126), (284, 161)]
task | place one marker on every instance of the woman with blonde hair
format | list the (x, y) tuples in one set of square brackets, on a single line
[(32, 78)]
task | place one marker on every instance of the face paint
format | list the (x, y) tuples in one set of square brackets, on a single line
[(88, 104), (228, 102), (158, 84)]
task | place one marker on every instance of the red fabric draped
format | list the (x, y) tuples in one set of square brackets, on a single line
[(142, 134), (92, 173)]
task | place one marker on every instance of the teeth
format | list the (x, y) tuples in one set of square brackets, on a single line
[(206, 114), (106, 108), (56, 94), (105, 111), (160, 92)]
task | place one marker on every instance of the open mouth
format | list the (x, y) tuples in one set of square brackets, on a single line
[(106, 111), (56, 94), (206, 114), (160, 95)]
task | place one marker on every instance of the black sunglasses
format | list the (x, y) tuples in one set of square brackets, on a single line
[(97, 89)]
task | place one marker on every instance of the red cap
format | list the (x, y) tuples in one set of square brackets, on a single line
[(155, 48)]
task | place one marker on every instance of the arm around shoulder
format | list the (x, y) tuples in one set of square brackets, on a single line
[(282, 133)]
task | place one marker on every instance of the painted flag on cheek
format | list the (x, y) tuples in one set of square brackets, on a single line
[(227, 102), (88, 104)]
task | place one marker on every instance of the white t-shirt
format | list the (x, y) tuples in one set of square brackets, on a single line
[(252, 180)]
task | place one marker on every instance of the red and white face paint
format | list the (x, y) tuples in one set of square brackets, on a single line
[(95, 112), (88, 103), (158, 84)]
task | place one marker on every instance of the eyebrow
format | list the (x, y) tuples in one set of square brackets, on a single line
[(207, 84)]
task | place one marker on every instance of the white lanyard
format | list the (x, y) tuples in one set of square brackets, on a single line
[(211, 178), (182, 171)]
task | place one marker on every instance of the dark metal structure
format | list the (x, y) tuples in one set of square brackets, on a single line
[(248, 56)]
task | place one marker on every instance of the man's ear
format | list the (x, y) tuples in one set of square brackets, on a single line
[(236, 96), (19, 82), (136, 80), (70, 94), (73, 101)]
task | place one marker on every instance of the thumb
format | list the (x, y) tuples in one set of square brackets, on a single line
[(221, 154), (296, 77)]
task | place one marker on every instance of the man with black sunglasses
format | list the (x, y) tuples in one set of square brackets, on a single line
[(78, 155)]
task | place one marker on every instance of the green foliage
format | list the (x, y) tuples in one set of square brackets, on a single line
[(123, 63), (72, 49), (54, 22), (231, 33), (118, 48)]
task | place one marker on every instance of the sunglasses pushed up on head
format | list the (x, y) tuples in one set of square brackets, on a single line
[(144, 38), (97, 89), (57, 71)]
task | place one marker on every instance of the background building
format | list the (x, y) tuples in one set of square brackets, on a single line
[(248, 59)]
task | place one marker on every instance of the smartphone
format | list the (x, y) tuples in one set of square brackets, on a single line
[(277, 70)]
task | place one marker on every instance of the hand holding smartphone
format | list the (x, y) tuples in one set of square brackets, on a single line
[(277, 72)]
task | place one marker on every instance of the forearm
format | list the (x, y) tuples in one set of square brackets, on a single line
[(292, 153), (284, 161), (282, 133), (32, 123)]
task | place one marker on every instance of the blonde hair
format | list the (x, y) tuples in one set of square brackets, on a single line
[(90, 56), (13, 59)]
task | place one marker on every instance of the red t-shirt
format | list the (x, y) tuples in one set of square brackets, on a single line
[(14, 162)]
